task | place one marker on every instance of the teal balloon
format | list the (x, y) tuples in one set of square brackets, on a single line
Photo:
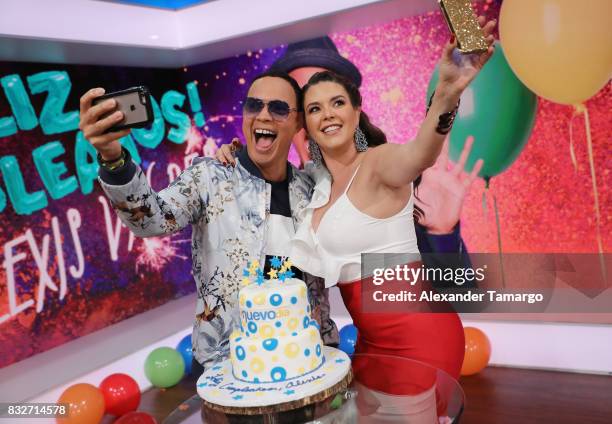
[(21, 106), (498, 111), (24, 203), (53, 119), (164, 367), (153, 136), (2, 200), (86, 163), (170, 103), (8, 126), (51, 171)]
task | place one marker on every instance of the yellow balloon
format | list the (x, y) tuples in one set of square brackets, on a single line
[(560, 49)]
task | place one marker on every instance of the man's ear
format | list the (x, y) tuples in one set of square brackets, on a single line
[(300, 122)]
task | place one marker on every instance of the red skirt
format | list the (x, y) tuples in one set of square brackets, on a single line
[(436, 339)]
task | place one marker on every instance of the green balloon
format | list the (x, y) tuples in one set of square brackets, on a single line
[(337, 402), (164, 367), (498, 111)]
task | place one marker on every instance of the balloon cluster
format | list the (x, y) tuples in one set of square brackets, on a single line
[(557, 49), (119, 394)]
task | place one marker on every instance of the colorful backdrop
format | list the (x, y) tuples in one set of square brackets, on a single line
[(69, 267)]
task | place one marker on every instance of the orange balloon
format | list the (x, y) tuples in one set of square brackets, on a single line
[(477, 351), (560, 49), (85, 404)]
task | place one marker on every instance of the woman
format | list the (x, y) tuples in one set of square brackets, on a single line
[(364, 204)]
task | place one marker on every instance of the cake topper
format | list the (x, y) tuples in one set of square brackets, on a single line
[(280, 269)]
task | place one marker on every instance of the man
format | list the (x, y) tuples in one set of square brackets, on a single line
[(238, 215)]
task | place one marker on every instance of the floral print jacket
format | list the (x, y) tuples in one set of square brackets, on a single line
[(227, 208)]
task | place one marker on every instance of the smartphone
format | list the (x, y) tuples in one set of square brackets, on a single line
[(135, 103), (463, 24)]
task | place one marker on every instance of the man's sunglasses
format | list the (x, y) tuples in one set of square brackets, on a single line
[(278, 109)]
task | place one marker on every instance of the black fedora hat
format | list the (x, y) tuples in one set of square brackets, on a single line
[(319, 52)]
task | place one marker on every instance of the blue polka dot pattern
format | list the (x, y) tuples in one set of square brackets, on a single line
[(249, 303), (240, 353), (252, 327), (318, 350), (306, 322), (294, 333), (276, 299), (244, 374), (256, 380), (278, 324), (270, 344), (278, 374), (307, 352), (293, 300)]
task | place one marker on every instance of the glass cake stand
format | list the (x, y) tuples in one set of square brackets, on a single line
[(385, 389)]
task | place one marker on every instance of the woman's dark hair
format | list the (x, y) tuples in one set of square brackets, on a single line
[(373, 134), (290, 80)]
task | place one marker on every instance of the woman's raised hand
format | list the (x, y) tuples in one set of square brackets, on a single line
[(225, 153), (458, 70)]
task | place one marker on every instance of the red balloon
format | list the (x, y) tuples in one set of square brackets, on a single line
[(136, 418), (121, 394)]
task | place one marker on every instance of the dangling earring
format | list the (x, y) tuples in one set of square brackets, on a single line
[(361, 142), (315, 153)]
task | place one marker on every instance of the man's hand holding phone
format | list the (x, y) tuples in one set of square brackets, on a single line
[(105, 118), (96, 120)]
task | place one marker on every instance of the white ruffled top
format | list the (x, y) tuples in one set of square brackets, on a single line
[(344, 233)]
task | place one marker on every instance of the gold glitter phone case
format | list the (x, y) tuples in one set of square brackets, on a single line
[(463, 24)]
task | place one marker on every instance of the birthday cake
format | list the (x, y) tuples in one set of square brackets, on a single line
[(276, 353)]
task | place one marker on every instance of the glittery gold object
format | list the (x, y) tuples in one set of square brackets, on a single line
[(463, 24)]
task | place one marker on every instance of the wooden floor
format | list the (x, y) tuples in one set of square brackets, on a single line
[(496, 395), (510, 395)]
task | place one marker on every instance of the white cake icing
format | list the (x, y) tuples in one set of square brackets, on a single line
[(278, 340), (276, 356)]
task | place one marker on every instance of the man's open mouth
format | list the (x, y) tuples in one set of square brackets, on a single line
[(264, 138)]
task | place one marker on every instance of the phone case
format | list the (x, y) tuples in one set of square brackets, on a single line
[(463, 24), (135, 103)]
